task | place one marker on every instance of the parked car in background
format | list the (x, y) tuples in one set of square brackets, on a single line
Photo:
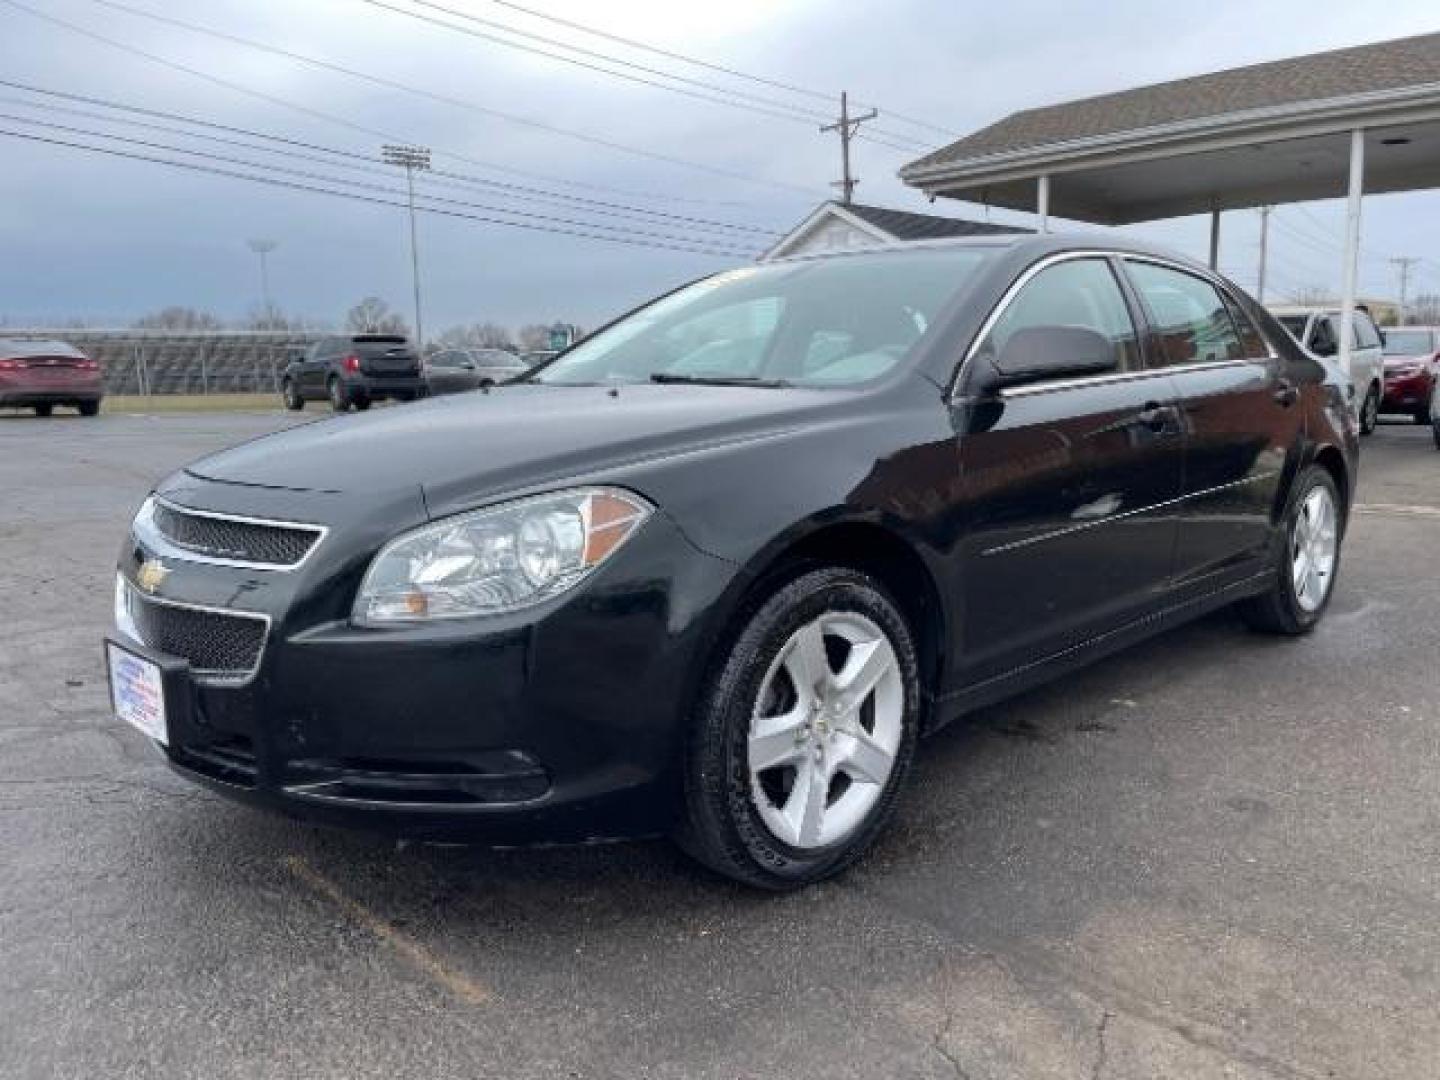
[(633, 594), (1412, 363), (535, 357), (354, 370), (1318, 329), (42, 374), (454, 370)]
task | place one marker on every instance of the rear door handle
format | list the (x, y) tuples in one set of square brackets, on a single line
[(1286, 393)]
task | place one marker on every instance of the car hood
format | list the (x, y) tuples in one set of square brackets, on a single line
[(507, 439)]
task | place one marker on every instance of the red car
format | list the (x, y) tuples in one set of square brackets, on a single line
[(42, 374), (1411, 356)]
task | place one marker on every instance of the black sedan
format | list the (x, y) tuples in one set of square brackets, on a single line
[(714, 570)]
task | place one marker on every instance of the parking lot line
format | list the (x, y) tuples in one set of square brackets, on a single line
[(462, 986), (1398, 509)]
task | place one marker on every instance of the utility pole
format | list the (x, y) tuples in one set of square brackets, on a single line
[(1403, 264), (264, 248), (1264, 243), (847, 126), (410, 158)]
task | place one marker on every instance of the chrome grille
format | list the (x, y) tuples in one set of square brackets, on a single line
[(219, 645), (229, 539)]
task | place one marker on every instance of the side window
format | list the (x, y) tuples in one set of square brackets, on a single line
[(1190, 318), (1079, 293), (1367, 337), (1251, 339), (1323, 339)]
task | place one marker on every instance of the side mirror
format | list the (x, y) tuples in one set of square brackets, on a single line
[(1036, 353)]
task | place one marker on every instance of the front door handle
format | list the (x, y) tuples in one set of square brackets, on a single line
[(1286, 393), (1155, 416)]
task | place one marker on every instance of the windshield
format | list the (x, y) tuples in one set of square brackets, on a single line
[(832, 322), (1408, 342)]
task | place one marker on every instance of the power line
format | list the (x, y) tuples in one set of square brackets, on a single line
[(590, 230), (379, 81), (709, 65), (350, 159), (764, 106)]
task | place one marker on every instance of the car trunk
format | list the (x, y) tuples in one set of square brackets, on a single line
[(387, 356)]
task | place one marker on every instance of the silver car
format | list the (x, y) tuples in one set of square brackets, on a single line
[(456, 370)]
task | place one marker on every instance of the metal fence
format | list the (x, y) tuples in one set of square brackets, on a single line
[(183, 361)]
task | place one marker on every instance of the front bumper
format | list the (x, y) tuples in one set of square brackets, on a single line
[(562, 723)]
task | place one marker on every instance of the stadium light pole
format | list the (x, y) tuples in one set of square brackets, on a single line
[(410, 158), (263, 248)]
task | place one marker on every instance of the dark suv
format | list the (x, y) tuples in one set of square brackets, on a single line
[(354, 371)]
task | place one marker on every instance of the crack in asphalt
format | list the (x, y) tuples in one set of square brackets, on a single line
[(1100, 1048)]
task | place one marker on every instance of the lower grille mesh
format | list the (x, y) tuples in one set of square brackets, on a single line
[(216, 644)]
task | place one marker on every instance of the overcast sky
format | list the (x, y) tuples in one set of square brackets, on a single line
[(108, 238)]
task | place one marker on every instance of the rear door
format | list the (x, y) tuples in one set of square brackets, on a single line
[(1241, 420), (1070, 485)]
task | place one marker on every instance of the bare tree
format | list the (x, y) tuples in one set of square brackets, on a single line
[(178, 318), (373, 316), (487, 335)]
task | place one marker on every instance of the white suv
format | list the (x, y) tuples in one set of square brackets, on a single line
[(1318, 329)]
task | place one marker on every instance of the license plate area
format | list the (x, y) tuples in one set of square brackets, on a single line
[(148, 691)]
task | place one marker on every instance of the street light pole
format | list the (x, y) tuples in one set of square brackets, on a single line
[(263, 248), (411, 158)]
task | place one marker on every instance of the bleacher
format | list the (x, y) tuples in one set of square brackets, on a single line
[(183, 361)]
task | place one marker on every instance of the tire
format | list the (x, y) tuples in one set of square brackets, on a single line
[(1370, 412), (88, 408), (339, 399), (1435, 431), (291, 396), (1282, 608), (44, 410), (734, 818), (361, 404)]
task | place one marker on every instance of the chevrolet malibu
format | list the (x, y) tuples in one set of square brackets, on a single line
[(715, 570)]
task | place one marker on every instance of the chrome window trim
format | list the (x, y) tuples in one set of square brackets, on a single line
[(1008, 297), (125, 623), (157, 542)]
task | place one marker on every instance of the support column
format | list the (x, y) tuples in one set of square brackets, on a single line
[(1350, 270), (1042, 202), (1215, 240)]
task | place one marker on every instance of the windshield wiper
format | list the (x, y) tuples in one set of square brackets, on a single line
[(719, 380)]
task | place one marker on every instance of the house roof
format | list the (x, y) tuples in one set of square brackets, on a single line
[(1340, 73), (908, 225)]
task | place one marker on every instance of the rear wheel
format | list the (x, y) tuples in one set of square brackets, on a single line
[(89, 408), (1370, 412), (1307, 563), (293, 401), (362, 403), (805, 734), (44, 410), (339, 399), (1435, 431)]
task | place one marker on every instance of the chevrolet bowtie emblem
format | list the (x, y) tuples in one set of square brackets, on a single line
[(151, 575)]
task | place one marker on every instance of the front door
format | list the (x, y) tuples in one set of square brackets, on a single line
[(1070, 486), (1241, 419)]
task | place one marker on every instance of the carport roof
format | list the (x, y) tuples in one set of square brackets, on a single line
[(1102, 152)]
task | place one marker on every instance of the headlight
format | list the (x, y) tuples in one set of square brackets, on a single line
[(500, 559)]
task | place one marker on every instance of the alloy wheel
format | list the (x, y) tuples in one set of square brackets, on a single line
[(826, 729), (1313, 545)]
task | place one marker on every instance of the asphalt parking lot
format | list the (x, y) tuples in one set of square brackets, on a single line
[(1215, 855)]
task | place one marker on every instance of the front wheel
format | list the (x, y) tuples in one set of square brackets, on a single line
[(339, 400), (1370, 412), (1306, 565), (293, 401), (88, 408), (44, 410), (805, 734), (1435, 431)]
